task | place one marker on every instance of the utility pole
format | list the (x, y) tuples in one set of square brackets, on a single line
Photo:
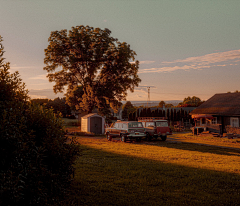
[(148, 100)]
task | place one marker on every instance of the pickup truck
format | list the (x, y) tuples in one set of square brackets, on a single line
[(155, 127), (126, 130)]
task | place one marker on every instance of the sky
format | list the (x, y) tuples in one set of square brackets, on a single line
[(185, 48)]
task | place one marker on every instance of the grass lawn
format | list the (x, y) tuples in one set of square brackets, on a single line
[(184, 170)]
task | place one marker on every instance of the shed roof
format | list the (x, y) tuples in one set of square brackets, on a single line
[(225, 104), (91, 115)]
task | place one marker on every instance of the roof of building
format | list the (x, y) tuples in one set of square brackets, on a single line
[(91, 115), (225, 104)]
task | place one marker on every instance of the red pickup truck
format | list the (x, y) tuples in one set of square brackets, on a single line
[(155, 127)]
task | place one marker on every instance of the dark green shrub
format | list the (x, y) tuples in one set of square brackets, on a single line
[(36, 162)]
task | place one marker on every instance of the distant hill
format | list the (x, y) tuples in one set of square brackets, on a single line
[(152, 103)]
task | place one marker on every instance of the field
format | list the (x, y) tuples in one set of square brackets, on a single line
[(184, 170)]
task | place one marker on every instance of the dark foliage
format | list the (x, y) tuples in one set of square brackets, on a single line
[(128, 108), (36, 164), (58, 105), (97, 69)]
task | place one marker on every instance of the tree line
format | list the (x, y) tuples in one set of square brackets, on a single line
[(171, 113), (58, 105)]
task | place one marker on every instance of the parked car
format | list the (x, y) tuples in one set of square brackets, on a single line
[(155, 127), (126, 130)]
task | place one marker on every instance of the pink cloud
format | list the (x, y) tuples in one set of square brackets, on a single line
[(171, 69), (199, 62), (146, 62), (210, 58)]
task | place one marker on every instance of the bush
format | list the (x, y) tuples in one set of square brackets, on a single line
[(36, 164), (232, 130)]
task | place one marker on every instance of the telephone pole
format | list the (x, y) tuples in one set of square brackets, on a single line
[(148, 100)]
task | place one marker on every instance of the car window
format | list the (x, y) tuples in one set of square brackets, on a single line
[(135, 124), (149, 124), (162, 124), (116, 125)]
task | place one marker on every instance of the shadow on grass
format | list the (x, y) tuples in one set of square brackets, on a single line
[(104, 178), (189, 146), (199, 147)]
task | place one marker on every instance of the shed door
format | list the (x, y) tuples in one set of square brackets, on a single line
[(96, 125)]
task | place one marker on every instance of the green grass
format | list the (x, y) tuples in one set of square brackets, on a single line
[(155, 173)]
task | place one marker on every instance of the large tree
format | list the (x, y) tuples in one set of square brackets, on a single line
[(97, 69)]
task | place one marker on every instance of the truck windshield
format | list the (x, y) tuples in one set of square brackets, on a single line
[(162, 124), (135, 124), (149, 124)]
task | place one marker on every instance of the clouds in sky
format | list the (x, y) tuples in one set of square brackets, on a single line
[(41, 77), (141, 92), (44, 93), (199, 62), (143, 89), (146, 62), (15, 67)]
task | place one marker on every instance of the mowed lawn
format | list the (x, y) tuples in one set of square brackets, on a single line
[(183, 170)]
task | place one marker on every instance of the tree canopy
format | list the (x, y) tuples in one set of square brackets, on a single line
[(96, 68), (191, 102), (161, 104), (128, 108), (11, 85), (58, 105)]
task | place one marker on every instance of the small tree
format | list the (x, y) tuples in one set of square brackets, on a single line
[(161, 104), (190, 102), (160, 113), (127, 109), (168, 114), (169, 105)]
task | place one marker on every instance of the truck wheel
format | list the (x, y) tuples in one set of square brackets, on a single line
[(163, 138), (109, 138), (148, 137), (123, 138)]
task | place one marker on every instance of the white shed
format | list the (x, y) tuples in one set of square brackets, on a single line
[(93, 123)]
